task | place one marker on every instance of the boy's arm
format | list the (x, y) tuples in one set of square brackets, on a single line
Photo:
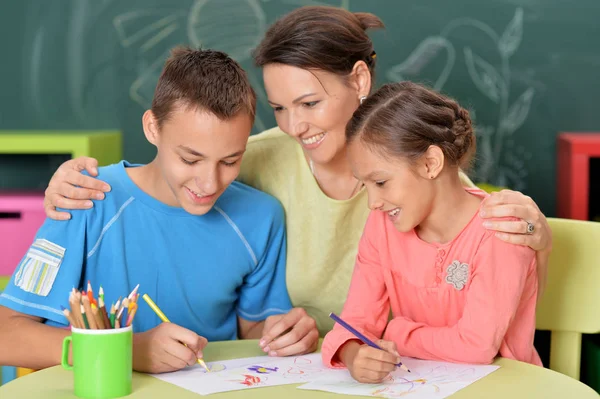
[(367, 305), (504, 276), (249, 329), (264, 308), (264, 291), (40, 285), (26, 342)]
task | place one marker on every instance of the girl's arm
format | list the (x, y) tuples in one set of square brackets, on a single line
[(503, 284), (367, 306)]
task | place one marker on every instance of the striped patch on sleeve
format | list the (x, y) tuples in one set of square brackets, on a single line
[(38, 270)]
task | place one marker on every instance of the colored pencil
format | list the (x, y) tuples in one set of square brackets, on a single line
[(90, 294), (75, 309), (360, 336), (131, 316), (69, 317), (133, 294), (100, 295), (105, 318), (124, 311), (88, 310), (98, 318), (112, 315), (164, 318), (86, 324)]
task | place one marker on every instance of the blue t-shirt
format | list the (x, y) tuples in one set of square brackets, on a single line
[(202, 271)]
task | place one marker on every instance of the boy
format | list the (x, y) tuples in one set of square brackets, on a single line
[(208, 250)]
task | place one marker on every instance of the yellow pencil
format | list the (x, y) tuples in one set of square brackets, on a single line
[(162, 316)]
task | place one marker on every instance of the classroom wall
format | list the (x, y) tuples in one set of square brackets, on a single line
[(527, 69)]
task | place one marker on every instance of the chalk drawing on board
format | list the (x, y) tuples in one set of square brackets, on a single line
[(301, 3), (435, 57), (142, 89), (244, 22), (429, 49), (149, 25), (201, 25)]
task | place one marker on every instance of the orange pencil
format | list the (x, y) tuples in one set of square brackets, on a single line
[(90, 293)]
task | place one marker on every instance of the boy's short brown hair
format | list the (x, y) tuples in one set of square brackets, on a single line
[(208, 80)]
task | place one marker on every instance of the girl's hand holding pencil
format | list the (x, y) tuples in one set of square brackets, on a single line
[(367, 364)]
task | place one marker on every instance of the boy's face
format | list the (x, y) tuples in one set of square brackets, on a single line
[(199, 155)]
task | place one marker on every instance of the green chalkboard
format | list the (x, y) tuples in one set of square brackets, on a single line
[(528, 69)]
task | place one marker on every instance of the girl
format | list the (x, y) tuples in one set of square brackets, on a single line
[(456, 293), (318, 62)]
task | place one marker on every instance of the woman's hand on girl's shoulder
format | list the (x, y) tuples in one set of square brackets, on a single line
[(507, 203)]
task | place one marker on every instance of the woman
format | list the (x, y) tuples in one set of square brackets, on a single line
[(318, 65)]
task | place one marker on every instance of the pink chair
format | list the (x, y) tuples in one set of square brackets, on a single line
[(21, 215)]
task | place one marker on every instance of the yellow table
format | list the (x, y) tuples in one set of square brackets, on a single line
[(512, 380)]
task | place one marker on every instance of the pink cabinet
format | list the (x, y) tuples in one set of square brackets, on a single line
[(21, 215)]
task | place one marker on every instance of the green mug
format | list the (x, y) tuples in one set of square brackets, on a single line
[(101, 362)]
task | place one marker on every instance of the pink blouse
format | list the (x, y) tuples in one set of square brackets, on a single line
[(465, 301)]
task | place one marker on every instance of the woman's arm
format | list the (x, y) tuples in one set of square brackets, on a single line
[(507, 203), (69, 188)]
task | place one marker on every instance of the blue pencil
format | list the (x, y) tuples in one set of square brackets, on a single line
[(361, 337)]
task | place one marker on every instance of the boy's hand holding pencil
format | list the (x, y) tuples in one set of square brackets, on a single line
[(170, 338), (165, 348)]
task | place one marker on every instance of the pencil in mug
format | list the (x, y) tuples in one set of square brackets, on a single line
[(69, 316), (131, 311), (162, 316), (103, 312), (112, 316), (75, 303), (360, 336), (85, 319), (88, 311), (124, 311)]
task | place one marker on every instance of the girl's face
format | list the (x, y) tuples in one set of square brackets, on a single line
[(311, 106), (394, 186)]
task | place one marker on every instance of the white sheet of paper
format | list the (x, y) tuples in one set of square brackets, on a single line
[(254, 372), (428, 379)]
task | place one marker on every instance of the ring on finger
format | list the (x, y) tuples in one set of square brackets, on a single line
[(530, 229)]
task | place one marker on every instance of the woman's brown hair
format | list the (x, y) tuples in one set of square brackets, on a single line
[(319, 37), (404, 119)]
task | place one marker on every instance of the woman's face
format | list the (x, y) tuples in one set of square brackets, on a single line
[(311, 106)]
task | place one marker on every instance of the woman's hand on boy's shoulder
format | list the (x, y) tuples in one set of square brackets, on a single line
[(293, 333), (162, 349), (70, 189)]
